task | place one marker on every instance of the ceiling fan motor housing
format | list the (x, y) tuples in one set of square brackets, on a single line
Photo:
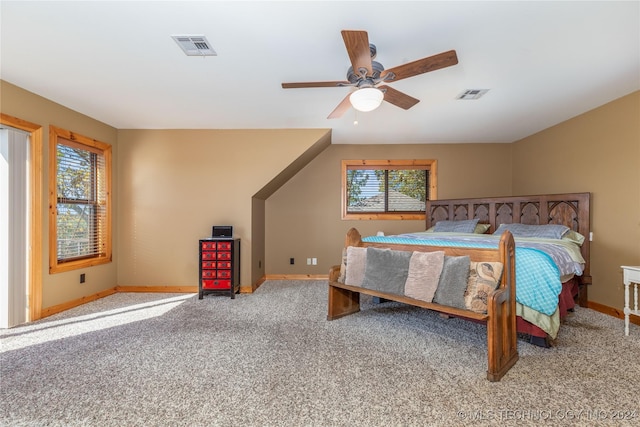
[(373, 50), (377, 68)]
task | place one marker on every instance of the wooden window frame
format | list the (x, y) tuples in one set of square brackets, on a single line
[(56, 136), (428, 164)]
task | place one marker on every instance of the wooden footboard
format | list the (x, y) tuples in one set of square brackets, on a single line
[(500, 317)]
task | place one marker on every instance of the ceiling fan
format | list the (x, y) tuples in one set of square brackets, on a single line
[(370, 78)]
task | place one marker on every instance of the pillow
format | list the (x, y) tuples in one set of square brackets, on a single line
[(484, 277), (424, 273), (574, 237), (545, 231), (481, 228), (465, 226), (386, 270), (343, 266), (356, 259), (453, 281)]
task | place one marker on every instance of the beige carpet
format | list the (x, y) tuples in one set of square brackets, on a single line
[(272, 359)]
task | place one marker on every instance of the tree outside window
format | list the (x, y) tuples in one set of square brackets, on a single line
[(387, 189)]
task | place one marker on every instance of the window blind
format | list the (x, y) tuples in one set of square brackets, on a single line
[(81, 201)]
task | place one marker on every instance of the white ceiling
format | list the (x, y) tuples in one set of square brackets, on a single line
[(544, 62)]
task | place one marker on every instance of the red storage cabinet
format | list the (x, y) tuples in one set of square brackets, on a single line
[(219, 270)]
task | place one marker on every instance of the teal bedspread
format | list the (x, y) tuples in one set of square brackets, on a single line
[(537, 274)]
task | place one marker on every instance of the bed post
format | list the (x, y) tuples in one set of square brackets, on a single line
[(501, 326), (353, 238)]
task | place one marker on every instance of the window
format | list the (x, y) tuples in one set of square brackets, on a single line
[(79, 201), (387, 189)]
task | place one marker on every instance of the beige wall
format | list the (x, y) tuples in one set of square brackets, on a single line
[(303, 218), (62, 287), (172, 185), (175, 184), (598, 152)]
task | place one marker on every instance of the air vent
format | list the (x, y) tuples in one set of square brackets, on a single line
[(194, 45), (472, 94)]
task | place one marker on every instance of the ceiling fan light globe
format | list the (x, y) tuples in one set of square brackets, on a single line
[(366, 99)]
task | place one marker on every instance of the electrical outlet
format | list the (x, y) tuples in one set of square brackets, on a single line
[(308, 261), (82, 278), (314, 261), (292, 261)]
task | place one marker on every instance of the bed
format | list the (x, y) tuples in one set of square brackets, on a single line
[(559, 288)]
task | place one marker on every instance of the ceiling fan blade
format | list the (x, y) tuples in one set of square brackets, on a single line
[(344, 105), (316, 84), (398, 98), (424, 65), (357, 43)]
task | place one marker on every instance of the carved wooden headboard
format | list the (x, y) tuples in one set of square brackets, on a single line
[(572, 210)]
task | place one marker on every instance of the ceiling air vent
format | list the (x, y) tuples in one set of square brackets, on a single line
[(472, 94), (194, 45)]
